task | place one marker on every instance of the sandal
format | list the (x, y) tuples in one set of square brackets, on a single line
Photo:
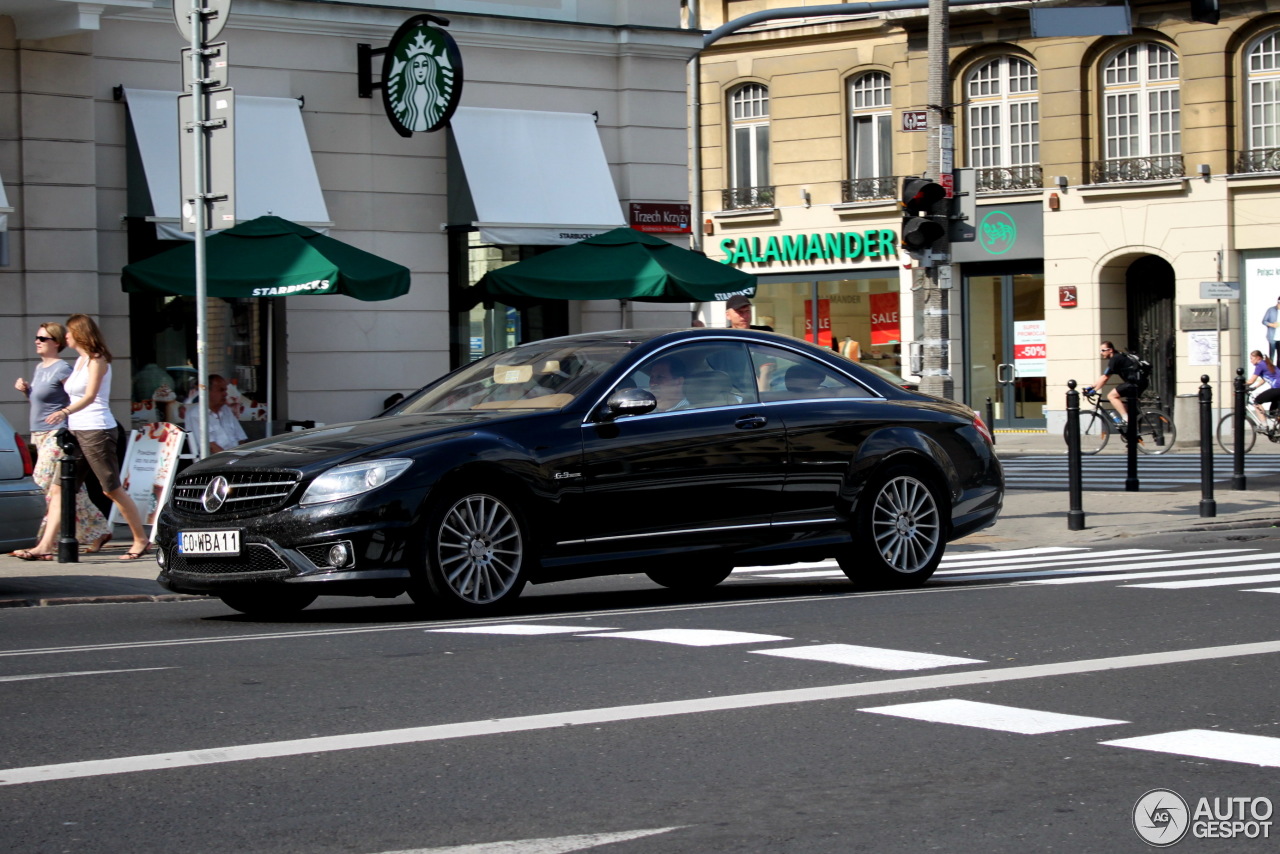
[(132, 555), (27, 554), (97, 545)]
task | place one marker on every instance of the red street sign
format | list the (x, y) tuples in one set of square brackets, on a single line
[(913, 120), (948, 182), (660, 217)]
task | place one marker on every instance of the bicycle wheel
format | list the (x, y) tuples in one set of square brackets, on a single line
[(1227, 433), (1156, 432), (1094, 432)]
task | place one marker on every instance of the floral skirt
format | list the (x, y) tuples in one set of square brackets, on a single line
[(91, 525)]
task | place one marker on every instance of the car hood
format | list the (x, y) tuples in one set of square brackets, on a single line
[(334, 444)]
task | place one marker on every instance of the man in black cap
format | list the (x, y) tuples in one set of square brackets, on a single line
[(1271, 320), (738, 312)]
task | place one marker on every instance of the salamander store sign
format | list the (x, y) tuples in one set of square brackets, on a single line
[(421, 76), (872, 244)]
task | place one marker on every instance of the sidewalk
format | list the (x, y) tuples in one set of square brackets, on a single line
[(1030, 517)]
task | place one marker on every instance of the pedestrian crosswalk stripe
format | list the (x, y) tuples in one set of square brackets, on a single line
[(1211, 582), (1263, 589), (1110, 574), (1083, 560), (991, 716), (522, 629), (1209, 744), (691, 637), (1107, 472), (1011, 553), (869, 656)]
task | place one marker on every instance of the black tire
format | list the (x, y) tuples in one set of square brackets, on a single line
[(1227, 433), (476, 555), (268, 602), (1156, 433), (899, 531), (1094, 432), (691, 577)]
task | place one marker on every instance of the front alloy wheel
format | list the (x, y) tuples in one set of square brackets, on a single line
[(476, 553), (899, 536)]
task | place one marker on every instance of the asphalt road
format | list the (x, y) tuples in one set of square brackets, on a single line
[(1024, 700)]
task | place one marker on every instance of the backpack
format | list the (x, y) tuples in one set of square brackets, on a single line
[(1137, 370)]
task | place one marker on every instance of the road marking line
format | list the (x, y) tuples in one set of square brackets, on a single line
[(991, 716), (815, 574), (1210, 582), (1085, 562), (521, 629), (1263, 590), (1109, 574), (1261, 750), (692, 637), (28, 676), (1010, 553), (644, 711), (551, 845), (868, 656)]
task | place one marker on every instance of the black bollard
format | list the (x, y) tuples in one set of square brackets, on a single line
[(991, 420), (68, 547), (1237, 435), (1075, 516), (1131, 437), (1208, 507)]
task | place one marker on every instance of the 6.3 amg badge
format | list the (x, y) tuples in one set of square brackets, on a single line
[(421, 76)]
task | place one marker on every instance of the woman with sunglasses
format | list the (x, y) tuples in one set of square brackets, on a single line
[(47, 395), (89, 418)]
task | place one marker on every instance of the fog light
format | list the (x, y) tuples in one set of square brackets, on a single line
[(340, 555), (162, 558)]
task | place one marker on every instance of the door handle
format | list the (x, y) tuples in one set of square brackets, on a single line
[(751, 422), (1001, 375)]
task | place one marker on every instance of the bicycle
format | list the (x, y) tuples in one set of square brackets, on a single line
[(1253, 425), (1156, 433)]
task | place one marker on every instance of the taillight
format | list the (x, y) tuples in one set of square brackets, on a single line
[(982, 428), (27, 467)]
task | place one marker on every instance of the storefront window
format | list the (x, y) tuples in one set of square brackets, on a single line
[(857, 317)]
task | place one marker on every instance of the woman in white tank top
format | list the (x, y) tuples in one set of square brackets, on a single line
[(89, 418)]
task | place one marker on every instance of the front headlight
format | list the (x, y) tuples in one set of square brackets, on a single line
[(353, 479)]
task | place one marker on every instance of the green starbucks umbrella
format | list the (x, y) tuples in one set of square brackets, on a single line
[(623, 264), (271, 257)]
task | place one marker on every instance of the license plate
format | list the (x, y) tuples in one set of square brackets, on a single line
[(209, 542)]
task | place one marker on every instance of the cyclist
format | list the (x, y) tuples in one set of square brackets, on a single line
[(1264, 373), (1125, 366)]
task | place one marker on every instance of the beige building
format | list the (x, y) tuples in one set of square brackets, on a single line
[(583, 101), (1113, 176)]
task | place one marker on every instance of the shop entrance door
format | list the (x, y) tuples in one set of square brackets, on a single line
[(1006, 359)]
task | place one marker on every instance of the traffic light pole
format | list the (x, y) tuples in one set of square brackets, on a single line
[(932, 288)]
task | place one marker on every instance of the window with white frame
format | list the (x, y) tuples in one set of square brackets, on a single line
[(1141, 109), (1262, 99), (870, 126), (1003, 109), (749, 132)]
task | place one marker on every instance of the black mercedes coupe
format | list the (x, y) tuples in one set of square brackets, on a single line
[(676, 453)]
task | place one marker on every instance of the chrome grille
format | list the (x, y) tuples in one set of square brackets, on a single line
[(250, 492), (256, 560)]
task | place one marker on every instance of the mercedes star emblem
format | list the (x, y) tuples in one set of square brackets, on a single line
[(215, 494)]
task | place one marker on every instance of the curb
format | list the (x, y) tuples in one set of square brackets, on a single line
[(121, 599)]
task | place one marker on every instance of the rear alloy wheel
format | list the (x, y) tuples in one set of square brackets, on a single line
[(272, 602), (899, 535), (691, 577), (476, 552)]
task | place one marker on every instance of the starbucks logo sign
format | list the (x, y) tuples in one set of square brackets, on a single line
[(421, 77), (997, 233)]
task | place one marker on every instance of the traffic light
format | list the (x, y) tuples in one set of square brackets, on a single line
[(919, 230), (1205, 11)]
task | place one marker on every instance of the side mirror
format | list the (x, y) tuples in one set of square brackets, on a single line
[(628, 401)]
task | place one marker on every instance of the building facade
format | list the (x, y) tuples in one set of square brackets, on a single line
[(1110, 176), (583, 101)]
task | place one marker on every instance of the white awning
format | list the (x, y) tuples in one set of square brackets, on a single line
[(5, 209), (531, 178), (275, 173)]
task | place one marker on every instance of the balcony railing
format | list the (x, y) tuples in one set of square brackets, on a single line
[(1138, 169), (869, 189), (1258, 160), (999, 179), (746, 198)]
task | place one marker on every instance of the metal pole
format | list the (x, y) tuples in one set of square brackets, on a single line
[(1237, 434), (991, 419), (1131, 437), (200, 208), (1075, 516), (934, 299), (1208, 507), (68, 547)]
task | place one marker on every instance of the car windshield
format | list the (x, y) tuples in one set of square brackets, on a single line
[(540, 375)]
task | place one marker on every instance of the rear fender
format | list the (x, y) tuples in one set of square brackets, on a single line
[(901, 444)]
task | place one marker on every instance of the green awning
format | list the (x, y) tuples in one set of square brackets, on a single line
[(623, 264), (270, 257)]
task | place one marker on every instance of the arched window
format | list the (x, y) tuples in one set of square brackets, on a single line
[(1141, 130), (749, 148), (1262, 105), (1003, 108), (870, 138)]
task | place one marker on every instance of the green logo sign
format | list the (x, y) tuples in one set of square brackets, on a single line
[(997, 232), (421, 77)]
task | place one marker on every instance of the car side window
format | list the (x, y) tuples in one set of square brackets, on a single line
[(784, 375), (697, 376)]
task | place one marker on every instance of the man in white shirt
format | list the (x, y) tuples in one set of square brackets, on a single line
[(224, 427)]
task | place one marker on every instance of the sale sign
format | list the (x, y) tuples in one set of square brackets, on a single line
[(1030, 353), (885, 328), (824, 322)]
